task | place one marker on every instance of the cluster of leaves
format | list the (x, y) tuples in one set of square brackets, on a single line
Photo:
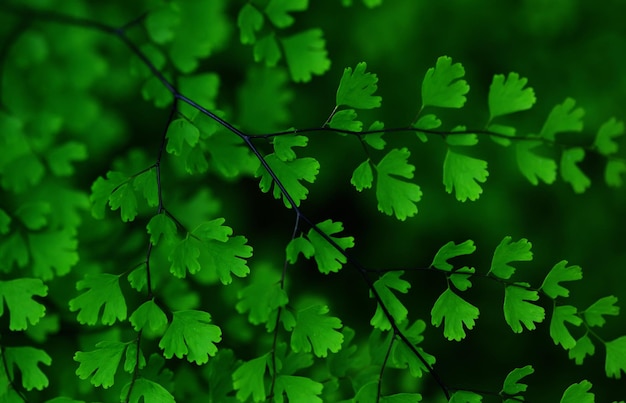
[(148, 311)]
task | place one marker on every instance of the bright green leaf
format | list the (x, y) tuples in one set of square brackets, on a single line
[(261, 298), (100, 364), (161, 225), (53, 250), (248, 379), (578, 393), (615, 357), (509, 95), (560, 272), (297, 389), (283, 146), (146, 183), (443, 85), (299, 245), (345, 120), (613, 173), (384, 286), (604, 142), (267, 49), (362, 177), (134, 358), (278, 11), (192, 334), (290, 174), (451, 250), (464, 396), (213, 230), (102, 189), (26, 359), (463, 173), (306, 54), (558, 331), (327, 257), (104, 291), (507, 252), (124, 197), (402, 356), (534, 166), (18, 296), (396, 196), (504, 132), (147, 391), (375, 140), (401, 398), (563, 118), (314, 331), (184, 257), (456, 312), (511, 386), (517, 309), (148, 315), (461, 278), (583, 348), (181, 131), (222, 259), (249, 21), (571, 173), (594, 315), (356, 88)]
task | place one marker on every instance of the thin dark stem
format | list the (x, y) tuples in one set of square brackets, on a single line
[(379, 391)]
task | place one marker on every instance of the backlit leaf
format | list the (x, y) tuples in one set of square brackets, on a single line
[(147, 391), (508, 95), (27, 360), (346, 120), (100, 364), (563, 118), (384, 286), (248, 379), (314, 331), (456, 313), (609, 130), (582, 349), (507, 252), (451, 250), (558, 331), (613, 173), (362, 177), (578, 393), (443, 85), (464, 396), (103, 294), (463, 174), (534, 166), (148, 315), (191, 334), (356, 88), (394, 195), (560, 272), (571, 173), (18, 296), (278, 11), (594, 315), (249, 21), (511, 386), (517, 309), (298, 389), (161, 225), (290, 174), (306, 54), (615, 357)]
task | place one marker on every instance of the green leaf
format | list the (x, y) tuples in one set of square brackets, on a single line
[(148, 315), (328, 258), (34, 215), (297, 389), (615, 357), (443, 85), (428, 122), (463, 173), (13, 250), (289, 173), (461, 277), (375, 140), (60, 158), (162, 21), (222, 259), (5, 222), (18, 295), (181, 131), (146, 183), (104, 291), (345, 120), (517, 309), (192, 334), (571, 173), (613, 173), (102, 189), (578, 393), (534, 166), (306, 54), (563, 118), (401, 398), (134, 358), (449, 251), (260, 299), (384, 286), (402, 356), (558, 331), (512, 387), (100, 364), (507, 252), (583, 348), (283, 146), (356, 88), (362, 177), (161, 225), (396, 196), (609, 130), (464, 396), (248, 379), (213, 230), (184, 257), (267, 49), (509, 95), (277, 11), (299, 245), (594, 315), (502, 130), (27, 360), (249, 21), (146, 391), (229, 156), (53, 250), (456, 312), (560, 272), (314, 331), (123, 198)]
